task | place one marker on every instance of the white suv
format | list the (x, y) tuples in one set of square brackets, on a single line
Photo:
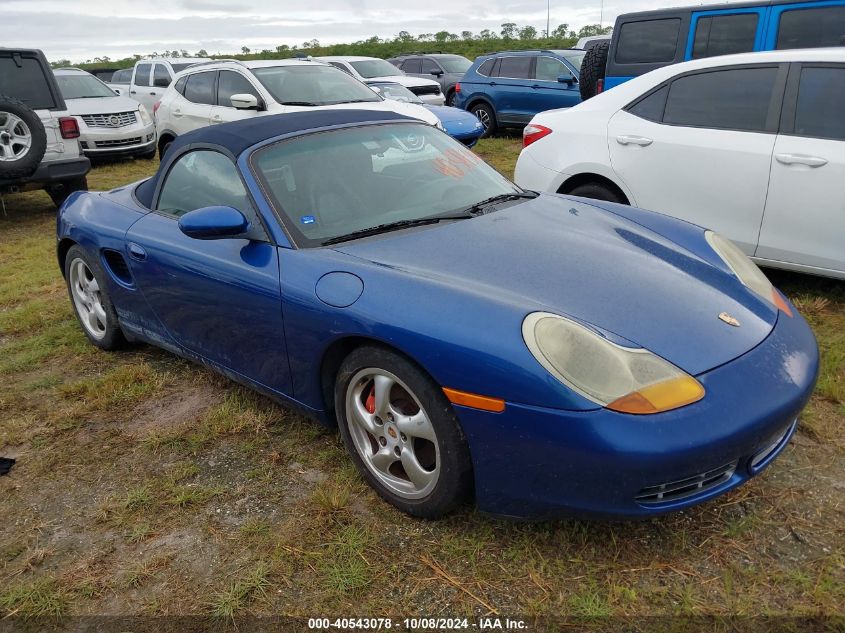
[(751, 145), (368, 69), (218, 92)]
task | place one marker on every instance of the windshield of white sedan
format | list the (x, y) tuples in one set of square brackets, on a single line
[(312, 85), (375, 68), (329, 185), (83, 87)]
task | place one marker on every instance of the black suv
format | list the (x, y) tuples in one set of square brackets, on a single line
[(38, 146), (444, 68)]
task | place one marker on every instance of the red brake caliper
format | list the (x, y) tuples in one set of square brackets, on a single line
[(371, 400)]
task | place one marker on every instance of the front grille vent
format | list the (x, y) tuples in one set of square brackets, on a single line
[(124, 142), (685, 488), (425, 90), (119, 119)]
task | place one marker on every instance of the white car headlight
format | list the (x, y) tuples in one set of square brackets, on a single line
[(146, 119), (628, 380), (746, 271)]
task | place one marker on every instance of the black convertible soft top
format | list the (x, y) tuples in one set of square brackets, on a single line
[(239, 135)]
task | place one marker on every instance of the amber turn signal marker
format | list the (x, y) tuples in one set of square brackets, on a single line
[(780, 302), (475, 401), (663, 396)]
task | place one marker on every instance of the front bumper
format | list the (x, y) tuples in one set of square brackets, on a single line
[(532, 462), (132, 140)]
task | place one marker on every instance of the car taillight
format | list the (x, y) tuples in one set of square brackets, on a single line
[(457, 87), (156, 106), (534, 132), (600, 86), (68, 127)]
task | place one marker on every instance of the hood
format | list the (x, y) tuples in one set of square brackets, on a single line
[(455, 117), (101, 105), (570, 258), (406, 80)]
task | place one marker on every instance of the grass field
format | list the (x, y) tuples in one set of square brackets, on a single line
[(147, 485)]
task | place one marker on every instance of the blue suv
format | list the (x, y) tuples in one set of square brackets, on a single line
[(507, 89)]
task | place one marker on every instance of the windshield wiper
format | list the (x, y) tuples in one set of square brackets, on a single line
[(478, 207), (394, 226), (298, 103)]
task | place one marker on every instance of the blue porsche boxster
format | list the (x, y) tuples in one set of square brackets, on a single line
[(542, 354)]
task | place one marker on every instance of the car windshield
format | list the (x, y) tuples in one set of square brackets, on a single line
[(456, 64), (375, 68), (394, 92), (312, 84), (83, 87), (573, 57), (331, 184)]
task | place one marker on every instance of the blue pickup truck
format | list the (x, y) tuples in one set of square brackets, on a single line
[(648, 40)]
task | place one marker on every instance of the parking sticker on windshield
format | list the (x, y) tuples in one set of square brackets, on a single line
[(308, 219)]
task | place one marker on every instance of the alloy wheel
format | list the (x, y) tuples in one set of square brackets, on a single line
[(15, 137), (87, 299), (482, 116)]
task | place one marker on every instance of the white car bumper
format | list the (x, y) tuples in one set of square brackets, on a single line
[(128, 140)]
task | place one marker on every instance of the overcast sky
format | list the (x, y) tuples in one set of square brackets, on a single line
[(83, 29)]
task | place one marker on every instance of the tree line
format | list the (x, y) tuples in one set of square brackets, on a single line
[(466, 43)]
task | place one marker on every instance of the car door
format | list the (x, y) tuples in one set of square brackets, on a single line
[(141, 82), (432, 70), (412, 67), (161, 80), (699, 146), (549, 92), (194, 109), (511, 90), (230, 82), (804, 221), (219, 299)]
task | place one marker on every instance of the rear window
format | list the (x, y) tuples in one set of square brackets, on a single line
[(651, 107), (486, 68), (25, 82), (818, 113), (724, 34), (122, 76), (515, 67), (648, 41), (733, 99), (812, 28)]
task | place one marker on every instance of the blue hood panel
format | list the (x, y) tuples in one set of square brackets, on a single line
[(564, 256)]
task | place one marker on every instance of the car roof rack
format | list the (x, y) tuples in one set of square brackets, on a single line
[(409, 53), (216, 61), (82, 70), (524, 50)]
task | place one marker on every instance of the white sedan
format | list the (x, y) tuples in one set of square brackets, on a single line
[(751, 145)]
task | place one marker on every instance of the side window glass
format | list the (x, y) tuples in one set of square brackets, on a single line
[(180, 85), (811, 28), (734, 99), (549, 69), (428, 66), (651, 107), (413, 66), (516, 67), (821, 95), (648, 41), (724, 34), (122, 77), (200, 88), (203, 178), (142, 74), (231, 83), (161, 76), (486, 68)]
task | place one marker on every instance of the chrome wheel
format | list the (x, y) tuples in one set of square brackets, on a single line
[(87, 299), (15, 137), (392, 433), (482, 116)]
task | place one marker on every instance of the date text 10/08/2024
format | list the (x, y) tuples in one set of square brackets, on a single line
[(418, 624)]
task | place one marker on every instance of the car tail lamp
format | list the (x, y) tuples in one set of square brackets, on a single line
[(68, 127), (458, 87), (156, 106), (600, 86), (534, 132)]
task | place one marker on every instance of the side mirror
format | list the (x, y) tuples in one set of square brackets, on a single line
[(212, 223), (244, 101), (116, 91), (437, 73), (568, 79)]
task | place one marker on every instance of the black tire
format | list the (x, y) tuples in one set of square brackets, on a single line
[(454, 482), (484, 113), (149, 155), (593, 68), (28, 124), (450, 97), (59, 191), (113, 337), (163, 147), (597, 191)]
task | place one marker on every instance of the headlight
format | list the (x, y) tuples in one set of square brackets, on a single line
[(746, 271), (145, 116), (629, 380)]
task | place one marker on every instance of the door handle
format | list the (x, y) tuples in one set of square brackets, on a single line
[(137, 252), (492, 83), (801, 159), (132, 92), (152, 94), (177, 112), (217, 119), (626, 139)]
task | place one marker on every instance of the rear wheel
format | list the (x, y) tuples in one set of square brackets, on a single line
[(402, 433), (593, 69), (597, 191), (86, 285), (450, 98), (487, 117)]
